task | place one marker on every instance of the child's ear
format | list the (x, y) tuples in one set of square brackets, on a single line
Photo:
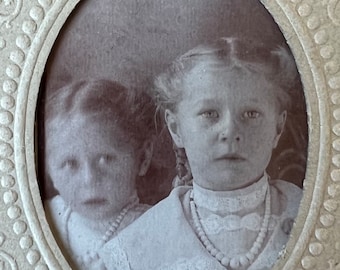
[(173, 127), (280, 127), (146, 157)]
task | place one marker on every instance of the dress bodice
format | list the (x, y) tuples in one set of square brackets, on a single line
[(79, 237), (164, 237)]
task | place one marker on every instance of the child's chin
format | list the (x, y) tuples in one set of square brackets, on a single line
[(100, 215), (227, 181)]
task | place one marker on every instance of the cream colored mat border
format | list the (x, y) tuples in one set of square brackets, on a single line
[(27, 32)]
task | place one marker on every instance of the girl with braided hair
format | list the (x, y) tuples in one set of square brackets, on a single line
[(225, 105)]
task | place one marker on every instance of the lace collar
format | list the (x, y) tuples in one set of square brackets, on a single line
[(231, 201)]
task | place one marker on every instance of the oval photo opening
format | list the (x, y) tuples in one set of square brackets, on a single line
[(171, 135)]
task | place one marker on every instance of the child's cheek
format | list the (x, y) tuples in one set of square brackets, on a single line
[(258, 136)]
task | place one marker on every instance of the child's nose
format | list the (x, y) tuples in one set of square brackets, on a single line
[(89, 174), (229, 130)]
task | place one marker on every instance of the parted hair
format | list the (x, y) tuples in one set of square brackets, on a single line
[(276, 65), (232, 54), (112, 103)]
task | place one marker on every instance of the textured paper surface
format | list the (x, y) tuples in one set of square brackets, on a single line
[(28, 30)]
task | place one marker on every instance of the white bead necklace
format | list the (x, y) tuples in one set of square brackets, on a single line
[(114, 225), (241, 260)]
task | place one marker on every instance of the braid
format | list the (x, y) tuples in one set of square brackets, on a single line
[(184, 176)]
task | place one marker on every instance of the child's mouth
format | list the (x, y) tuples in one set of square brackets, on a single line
[(232, 157), (95, 201)]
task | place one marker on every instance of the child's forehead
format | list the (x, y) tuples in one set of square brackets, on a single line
[(85, 132), (231, 77), (210, 67), (216, 84), (68, 123)]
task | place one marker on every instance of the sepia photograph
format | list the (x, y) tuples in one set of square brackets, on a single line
[(171, 136)]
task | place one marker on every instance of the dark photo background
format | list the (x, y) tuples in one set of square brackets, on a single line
[(131, 41)]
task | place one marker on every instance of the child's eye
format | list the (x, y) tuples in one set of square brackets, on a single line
[(106, 159), (251, 114), (71, 164), (210, 114)]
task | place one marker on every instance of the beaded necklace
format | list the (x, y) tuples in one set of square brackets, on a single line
[(241, 260), (114, 225)]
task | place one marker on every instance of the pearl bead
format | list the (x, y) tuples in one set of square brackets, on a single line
[(206, 243), (250, 256), (209, 247), (214, 252), (254, 250), (234, 263), (201, 233), (257, 245), (93, 255), (262, 234), (244, 260), (225, 261), (204, 238), (219, 256), (260, 241)]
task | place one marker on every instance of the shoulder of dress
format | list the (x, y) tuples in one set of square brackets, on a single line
[(159, 221), (55, 207), (286, 196), (162, 210), (141, 208), (286, 189), (57, 213), (113, 256)]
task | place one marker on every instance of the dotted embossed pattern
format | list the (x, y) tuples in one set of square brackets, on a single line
[(27, 32)]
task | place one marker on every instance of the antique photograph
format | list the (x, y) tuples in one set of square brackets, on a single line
[(171, 135)]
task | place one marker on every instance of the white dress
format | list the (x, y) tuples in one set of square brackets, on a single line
[(78, 237), (164, 239)]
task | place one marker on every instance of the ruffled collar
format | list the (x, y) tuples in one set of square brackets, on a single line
[(244, 199)]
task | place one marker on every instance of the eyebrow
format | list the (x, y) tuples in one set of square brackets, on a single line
[(206, 101), (255, 100), (211, 101)]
